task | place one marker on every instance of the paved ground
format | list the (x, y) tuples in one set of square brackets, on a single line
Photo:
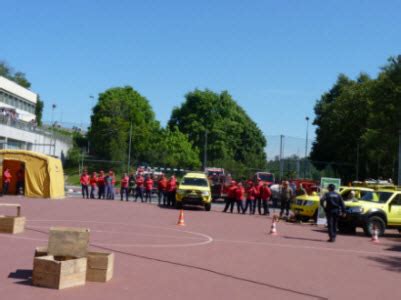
[(216, 256)]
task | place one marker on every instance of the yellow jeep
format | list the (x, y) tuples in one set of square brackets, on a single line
[(194, 189)]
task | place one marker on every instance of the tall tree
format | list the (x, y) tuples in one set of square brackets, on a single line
[(232, 137), (39, 111), (116, 110), (18, 77)]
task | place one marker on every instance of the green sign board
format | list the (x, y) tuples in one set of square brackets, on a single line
[(324, 182)]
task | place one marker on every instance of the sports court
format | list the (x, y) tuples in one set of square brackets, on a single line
[(215, 256)]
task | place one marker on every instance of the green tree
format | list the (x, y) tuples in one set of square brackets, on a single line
[(116, 110), (39, 111), (232, 137), (18, 77)]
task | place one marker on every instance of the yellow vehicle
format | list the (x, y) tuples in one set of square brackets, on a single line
[(194, 189), (380, 209), (305, 207)]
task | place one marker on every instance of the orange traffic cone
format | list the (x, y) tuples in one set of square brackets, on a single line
[(181, 219), (375, 235), (273, 228)]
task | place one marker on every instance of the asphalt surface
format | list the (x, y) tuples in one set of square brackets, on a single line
[(215, 256)]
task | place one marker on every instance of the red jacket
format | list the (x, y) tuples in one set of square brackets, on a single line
[(7, 177), (139, 181), (239, 193), (149, 184), (93, 181), (252, 193), (266, 193), (85, 179), (171, 185), (124, 182), (231, 191), (162, 186), (100, 180)]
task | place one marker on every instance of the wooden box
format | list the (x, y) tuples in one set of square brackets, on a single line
[(66, 241), (12, 224), (59, 272), (100, 266), (40, 251)]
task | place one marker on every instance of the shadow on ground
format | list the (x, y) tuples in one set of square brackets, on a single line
[(22, 274), (390, 263)]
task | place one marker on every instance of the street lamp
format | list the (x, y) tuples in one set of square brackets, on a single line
[(53, 139), (306, 144)]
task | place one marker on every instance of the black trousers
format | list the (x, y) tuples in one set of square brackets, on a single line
[(332, 220), (101, 190), (92, 192), (262, 204), (240, 207), (85, 191), (171, 199), (285, 205), (229, 203), (148, 196), (20, 188), (5, 188), (124, 192), (139, 193), (251, 205)]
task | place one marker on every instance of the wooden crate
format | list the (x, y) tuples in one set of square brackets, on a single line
[(12, 224), (100, 266), (59, 272), (66, 241), (40, 251)]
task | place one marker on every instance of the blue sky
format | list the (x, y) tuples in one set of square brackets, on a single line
[(275, 57)]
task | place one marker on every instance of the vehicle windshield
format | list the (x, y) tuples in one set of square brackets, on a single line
[(380, 197), (266, 177), (194, 181)]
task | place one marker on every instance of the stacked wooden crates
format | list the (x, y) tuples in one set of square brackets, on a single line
[(12, 224), (66, 262)]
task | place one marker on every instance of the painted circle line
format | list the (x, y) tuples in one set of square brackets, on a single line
[(206, 239)]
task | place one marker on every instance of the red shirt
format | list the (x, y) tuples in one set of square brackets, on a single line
[(100, 180), (252, 193), (239, 193), (231, 191), (7, 177), (124, 182), (149, 184), (266, 193), (172, 185), (84, 179), (93, 181), (162, 184), (139, 181)]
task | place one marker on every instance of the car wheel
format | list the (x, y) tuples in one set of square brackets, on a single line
[(208, 206), (346, 228), (305, 219), (372, 222)]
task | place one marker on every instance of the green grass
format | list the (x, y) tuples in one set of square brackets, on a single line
[(71, 177)]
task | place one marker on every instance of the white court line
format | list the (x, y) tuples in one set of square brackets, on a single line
[(309, 247), (208, 239)]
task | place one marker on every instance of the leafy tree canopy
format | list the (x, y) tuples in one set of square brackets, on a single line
[(232, 137)]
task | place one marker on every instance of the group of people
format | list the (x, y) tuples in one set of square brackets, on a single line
[(103, 186), (257, 195)]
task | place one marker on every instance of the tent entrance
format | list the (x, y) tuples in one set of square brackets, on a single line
[(17, 170)]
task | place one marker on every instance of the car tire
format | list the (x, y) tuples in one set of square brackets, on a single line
[(375, 220), (208, 206), (346, 228)]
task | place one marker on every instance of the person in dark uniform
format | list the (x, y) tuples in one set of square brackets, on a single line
[(334, 207)]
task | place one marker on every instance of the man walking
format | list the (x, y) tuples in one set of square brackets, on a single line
[(124, 187), (333, 205), (286, 195), (84, 180)]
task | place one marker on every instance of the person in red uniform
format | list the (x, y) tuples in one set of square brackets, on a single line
[(171, 190), (84, 180), (258, 200), (101, 185), (139, 187), (230, 199), (162, 190), (265, 193), (6, 180), (239, 197), (20, 181), (148, 189), (124, 187), (251, 194), (93, 184)]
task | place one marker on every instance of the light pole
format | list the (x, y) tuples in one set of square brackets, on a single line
[(281, 157), (205, 151), (53, 139), (129, 148), (399, 157), (306, 144)]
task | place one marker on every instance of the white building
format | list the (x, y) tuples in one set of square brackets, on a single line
[(18, 128)]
